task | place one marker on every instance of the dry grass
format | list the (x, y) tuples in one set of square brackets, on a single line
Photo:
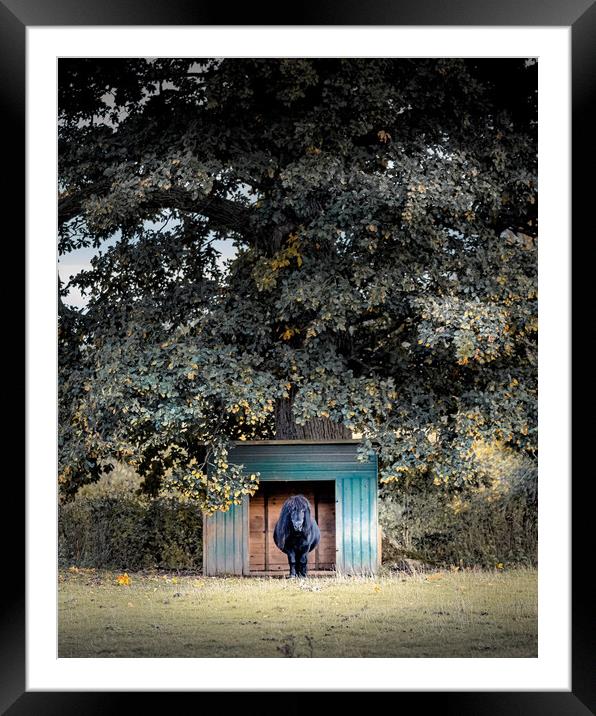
[(439, 614)]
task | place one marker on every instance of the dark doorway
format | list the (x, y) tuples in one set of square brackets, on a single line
[(264, 510)]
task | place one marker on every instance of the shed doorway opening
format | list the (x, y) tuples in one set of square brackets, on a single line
[(264, 509)]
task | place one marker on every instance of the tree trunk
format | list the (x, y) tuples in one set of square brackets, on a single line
[(315, 429)]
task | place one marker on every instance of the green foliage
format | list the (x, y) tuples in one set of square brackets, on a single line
[(384, 214), (111, 526), (491, 522)]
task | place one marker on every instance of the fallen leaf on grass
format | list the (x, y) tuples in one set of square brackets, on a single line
[(123, 579)]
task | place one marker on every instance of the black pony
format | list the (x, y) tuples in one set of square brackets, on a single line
[(296, 533)]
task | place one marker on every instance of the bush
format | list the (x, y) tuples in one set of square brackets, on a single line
[(108, 525), (493, 521)]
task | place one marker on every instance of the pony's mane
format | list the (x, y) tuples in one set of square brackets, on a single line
[(295, 501), (298, 501)]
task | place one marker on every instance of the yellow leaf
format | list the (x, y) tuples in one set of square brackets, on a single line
[(288, 333), (123, 579)]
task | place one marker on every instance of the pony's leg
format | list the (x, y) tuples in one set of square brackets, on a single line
[(292, 563), (302, 565)]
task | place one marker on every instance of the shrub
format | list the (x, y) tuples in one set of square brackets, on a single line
[(491, 521), (109, 525)]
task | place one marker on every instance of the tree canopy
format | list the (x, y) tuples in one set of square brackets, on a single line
[(383, 214)]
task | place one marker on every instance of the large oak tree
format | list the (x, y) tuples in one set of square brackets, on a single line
[(383, 214)]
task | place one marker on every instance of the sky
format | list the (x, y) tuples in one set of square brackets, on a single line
[(72, 263)]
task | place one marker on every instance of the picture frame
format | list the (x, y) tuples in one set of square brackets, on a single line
[(17, 15)]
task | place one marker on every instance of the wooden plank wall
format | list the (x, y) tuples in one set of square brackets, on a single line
[(264, 511), (326, 554), (258, 531)]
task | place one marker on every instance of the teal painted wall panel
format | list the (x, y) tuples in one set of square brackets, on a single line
[(357, 525), (226, 534)]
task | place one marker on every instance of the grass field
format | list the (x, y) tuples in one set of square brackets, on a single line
[(438, 614)]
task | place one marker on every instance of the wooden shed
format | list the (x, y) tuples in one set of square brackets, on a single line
[(342, 492)]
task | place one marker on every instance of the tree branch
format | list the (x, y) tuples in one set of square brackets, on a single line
[(223, 213)]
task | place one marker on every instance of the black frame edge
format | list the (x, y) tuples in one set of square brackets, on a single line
[(583, 84), (581, 16), (12, 95)]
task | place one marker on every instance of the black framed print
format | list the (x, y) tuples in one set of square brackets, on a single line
[(298, 367)]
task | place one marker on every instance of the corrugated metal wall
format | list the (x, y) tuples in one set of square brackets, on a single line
[(357, 532), (225, 540)]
